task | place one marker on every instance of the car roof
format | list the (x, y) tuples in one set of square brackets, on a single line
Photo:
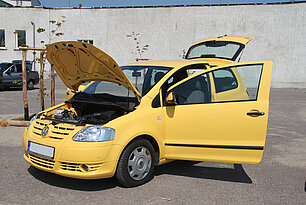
[(172, 63)]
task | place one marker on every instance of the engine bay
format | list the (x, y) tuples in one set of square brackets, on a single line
[(96, 109)]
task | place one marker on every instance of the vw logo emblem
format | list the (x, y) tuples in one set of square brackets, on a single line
[(44, 131)]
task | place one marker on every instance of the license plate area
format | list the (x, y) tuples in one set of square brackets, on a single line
[(41, 150)]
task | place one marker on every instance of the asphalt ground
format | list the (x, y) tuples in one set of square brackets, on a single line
[(280, 178)]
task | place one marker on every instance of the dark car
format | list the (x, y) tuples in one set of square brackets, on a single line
[(11, 75)]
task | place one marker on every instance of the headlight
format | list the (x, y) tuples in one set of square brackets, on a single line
[(33, 118), (95, 134)]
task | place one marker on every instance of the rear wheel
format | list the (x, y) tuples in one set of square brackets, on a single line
[(31, 85), (136, 164)]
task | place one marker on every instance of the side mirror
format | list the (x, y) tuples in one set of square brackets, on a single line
[(170, 99)]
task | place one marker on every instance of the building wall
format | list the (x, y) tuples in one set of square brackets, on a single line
[(279, 32)]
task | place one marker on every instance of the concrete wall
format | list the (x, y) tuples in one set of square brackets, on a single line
[(279, 32)]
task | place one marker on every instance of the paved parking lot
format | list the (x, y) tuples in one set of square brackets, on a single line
[(278, 179)]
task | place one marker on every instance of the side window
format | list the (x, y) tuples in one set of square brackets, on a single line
[(224, 80), (193, 91), (156, 101), (180, 75), (2, 38), (250, 76), (13, 69), (20, 38), (86, 41), (237, 83), (194, 71), (19, 68)]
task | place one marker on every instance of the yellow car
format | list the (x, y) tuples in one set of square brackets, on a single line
[(148, 113), (219, 50)]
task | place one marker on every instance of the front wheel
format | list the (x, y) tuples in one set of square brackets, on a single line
[(136, 164)]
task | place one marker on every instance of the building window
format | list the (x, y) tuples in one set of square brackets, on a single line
[(86, 41), (20, 36), (2, 38)]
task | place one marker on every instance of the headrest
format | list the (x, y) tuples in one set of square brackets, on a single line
[(158, 76)]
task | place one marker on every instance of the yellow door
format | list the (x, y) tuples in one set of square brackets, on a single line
[(220, 114)]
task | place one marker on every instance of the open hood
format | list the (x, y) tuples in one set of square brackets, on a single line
[(78, 62), (222, 47)]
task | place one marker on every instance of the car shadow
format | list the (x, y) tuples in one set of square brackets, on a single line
[(70, 183), (180, 168), (11, 89), (196, 170)]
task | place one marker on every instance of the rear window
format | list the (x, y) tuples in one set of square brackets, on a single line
[(215, 49)]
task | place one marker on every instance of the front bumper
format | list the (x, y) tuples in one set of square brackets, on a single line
[(82, 160), (73, 170)]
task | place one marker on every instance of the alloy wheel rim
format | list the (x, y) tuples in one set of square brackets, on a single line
[(139, 163)]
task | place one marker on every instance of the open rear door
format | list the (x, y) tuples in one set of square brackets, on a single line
[(218, 48)]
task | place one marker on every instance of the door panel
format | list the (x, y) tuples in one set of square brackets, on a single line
[(222, 130), (9, 76), (12, 77)]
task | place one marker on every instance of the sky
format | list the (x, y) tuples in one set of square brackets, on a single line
[(122, 3)]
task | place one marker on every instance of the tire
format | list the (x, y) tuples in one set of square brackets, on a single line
[(136, 164), (31, 85)]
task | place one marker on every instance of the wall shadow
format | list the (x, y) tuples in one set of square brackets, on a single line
[(189, 169), (70, 183)]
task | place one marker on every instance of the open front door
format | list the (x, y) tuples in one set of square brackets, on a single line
[(220, 114)]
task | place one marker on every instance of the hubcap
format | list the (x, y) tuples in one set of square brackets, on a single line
[(139, 163)]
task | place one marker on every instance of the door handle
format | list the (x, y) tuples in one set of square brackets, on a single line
[(255, 114)]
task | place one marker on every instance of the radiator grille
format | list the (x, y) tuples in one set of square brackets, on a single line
[(71, 166), (41, 161), (57, 133)]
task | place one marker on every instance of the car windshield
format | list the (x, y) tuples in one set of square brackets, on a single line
[(102, 87), (3, 67), (144, 77), (215, 49)]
